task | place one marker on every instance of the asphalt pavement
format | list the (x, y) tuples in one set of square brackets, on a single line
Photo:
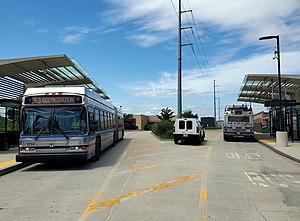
[(292, 151)]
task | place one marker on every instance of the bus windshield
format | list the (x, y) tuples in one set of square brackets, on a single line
[(54, 120)]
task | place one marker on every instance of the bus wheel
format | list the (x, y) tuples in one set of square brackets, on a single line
[(97, 155), (114, 140), (122, 135)]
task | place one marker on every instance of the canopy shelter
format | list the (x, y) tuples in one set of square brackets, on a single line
[(284, 114), (48, 70), (258, 88)]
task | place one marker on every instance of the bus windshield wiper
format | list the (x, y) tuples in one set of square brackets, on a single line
[(39, 133), (63, 133)]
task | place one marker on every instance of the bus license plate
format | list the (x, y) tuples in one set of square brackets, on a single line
[(185, 135)]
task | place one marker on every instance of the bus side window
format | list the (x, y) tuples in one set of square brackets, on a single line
[(93, 123), (102, 120), (97, 119), (106, 120)]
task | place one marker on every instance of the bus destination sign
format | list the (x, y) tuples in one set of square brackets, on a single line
[(53, 99)]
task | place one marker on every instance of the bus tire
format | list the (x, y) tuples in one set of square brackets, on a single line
[(122, 135), (114, 140), (97, 155)]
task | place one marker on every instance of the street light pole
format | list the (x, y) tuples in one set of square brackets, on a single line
[(279, 77)]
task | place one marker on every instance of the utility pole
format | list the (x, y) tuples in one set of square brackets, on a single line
[(219, 103), (179, 92), (215, 114), (179, 102)]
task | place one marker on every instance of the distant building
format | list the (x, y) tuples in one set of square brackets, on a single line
[(261, 121), (208, 121), (143, 122)]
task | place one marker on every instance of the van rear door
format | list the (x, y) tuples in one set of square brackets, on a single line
[(185, 127)]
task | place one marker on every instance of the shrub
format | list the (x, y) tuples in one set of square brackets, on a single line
[(163, 129)]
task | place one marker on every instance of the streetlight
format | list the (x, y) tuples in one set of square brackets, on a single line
[(277, 52)]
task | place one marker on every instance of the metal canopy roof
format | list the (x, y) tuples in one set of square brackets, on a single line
[(48, 70), (257, 88)]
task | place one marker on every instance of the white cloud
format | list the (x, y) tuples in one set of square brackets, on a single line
[(76, 34), (197, 89), (250, 19), (31, 22), (42, 30), (228, 28), (144, 108)]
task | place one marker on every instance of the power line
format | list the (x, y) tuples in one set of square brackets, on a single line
[(174, 7)]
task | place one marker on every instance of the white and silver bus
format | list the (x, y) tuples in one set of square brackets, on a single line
[(238, 122), (70, 123)]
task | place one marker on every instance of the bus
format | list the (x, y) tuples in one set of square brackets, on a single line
[(238, 122), (66, 123)]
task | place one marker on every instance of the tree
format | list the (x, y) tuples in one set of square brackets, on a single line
[(128, 117), (188, 114), (165, 114)]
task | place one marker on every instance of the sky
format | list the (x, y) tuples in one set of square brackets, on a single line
[(130, 47)]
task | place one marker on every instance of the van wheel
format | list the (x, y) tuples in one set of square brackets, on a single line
[(97, 155), (176, 140), (199, 141)]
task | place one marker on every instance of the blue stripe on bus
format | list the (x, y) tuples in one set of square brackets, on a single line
[(70, 136), (59, 136)]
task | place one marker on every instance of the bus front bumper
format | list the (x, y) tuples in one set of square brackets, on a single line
[(47, 158)]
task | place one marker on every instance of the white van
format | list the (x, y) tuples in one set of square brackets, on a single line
[(188, 129)]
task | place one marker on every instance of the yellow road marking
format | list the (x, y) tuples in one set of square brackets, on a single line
[(203, 194), (134, 169), (167, 152), (108, 203), (7, 163), (203, 202), (268, 141), (141, 149), (203, 205)]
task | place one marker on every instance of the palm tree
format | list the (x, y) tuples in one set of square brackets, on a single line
[(165, 114)]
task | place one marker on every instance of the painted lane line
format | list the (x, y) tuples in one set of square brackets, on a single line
[(268, 141), (155, 154), (203, 202), (83, 216), (7, 163), (166, 163), (108, 203), (134, 169)]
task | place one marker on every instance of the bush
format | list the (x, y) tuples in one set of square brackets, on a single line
[(163, 129)]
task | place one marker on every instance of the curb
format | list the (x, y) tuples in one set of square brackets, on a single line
[(12, 168), (280, 152), (160, 138)]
